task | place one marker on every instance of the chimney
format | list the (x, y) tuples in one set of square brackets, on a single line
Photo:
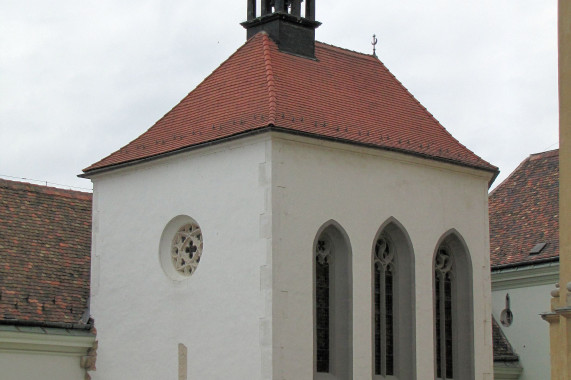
[(284, 23)]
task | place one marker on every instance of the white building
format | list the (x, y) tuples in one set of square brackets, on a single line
[(299, 215), (524, 240)]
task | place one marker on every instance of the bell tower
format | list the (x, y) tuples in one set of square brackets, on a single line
[(289, 24)]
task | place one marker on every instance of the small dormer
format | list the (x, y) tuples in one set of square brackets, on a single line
[(289, 24)]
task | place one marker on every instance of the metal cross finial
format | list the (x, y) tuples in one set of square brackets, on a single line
[(374, 43)]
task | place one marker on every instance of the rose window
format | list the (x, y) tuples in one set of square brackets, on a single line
[(186, 249)]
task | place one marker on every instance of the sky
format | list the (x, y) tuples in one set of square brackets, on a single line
[(79, 79)]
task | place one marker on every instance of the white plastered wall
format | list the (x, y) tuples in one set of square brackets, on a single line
[(359, 188), (247, 311), (528, 334), (38, 366), (222, 313)]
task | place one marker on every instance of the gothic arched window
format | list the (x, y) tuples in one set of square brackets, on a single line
[(322, 287), (393, 304), (384, 259), (453, 310), (443, 310), (333, 305)]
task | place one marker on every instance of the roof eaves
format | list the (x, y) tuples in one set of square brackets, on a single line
[(520, 264), (190, 148), (57, 325), (495, 169), (96, 166), (271, 127)]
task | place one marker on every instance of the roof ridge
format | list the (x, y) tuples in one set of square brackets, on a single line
[(259, 83), (353, 53), (547, 153), (531, 157), (181, 101), (41, 189), (446, 131), (269, 78), (509, 177)]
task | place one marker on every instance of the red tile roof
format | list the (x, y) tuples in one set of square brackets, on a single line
[(524, 211), (341, 95), (45, 245), (503, 350)]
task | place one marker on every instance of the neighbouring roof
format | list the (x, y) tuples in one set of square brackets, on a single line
[(45, 252), (524, 212), (503, 351), (341, 95)]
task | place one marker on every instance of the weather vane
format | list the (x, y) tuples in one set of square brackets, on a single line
[(374, 43)]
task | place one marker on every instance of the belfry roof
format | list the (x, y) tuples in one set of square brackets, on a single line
[(341, 95)]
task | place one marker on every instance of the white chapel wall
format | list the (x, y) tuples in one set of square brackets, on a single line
[(252, 197), (358, 188), (222, 312)]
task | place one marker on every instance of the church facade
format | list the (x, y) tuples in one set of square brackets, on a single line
[(299, 215)]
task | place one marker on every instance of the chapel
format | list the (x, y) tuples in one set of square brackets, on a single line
[(298, 215)]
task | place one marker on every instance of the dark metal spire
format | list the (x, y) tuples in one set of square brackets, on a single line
[(286, 22), (374, 43)]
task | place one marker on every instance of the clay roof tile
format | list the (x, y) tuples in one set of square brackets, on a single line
[(524, 212), (341, 95), (45, 245)]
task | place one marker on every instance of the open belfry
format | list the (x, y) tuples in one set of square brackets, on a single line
[(560, 316), (298, 215)]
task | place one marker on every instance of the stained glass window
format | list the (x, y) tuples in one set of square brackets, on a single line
[(443, 316), (322, 277), (385, 265)]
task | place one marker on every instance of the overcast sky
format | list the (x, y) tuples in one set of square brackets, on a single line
[(78, 79)]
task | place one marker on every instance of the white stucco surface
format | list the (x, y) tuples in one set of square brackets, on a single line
[(528, 334), (315, 182), (220, 312), (34, 366), (247, 312)]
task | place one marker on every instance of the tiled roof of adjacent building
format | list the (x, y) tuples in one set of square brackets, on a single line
[(45, 245), (503, 351), (341, 95), (524, 213)]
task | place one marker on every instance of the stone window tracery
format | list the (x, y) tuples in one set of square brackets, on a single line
[(443, 277), (322, 275), (186, 249), (180, 247), (384, 274), (333, 304)]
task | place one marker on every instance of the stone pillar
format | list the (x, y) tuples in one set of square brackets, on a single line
[(296, 8), (266, 7), (565, 147), (280, 6), (251, 10), (182, 362), (310, 10), (560, 316)]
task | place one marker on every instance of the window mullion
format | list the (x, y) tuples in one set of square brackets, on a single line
[(383, 305), (442, 327)]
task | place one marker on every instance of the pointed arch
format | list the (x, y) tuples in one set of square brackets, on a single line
[(453, 308), (392, 265), (332, 289)]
